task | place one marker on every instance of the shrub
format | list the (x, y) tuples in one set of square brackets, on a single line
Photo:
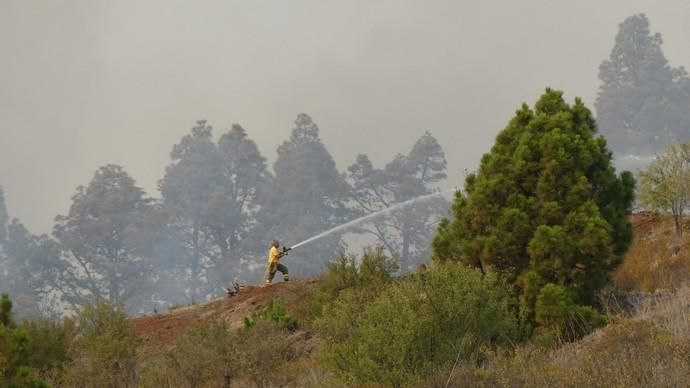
[(301, 297), (49, 345), (374, 271), (560, 319), (267, 353), (105, 350), (16, 362), (213, 355), (205, 355), (272, 311), (415, 327)]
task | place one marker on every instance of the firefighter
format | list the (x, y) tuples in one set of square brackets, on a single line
[(274, 255)]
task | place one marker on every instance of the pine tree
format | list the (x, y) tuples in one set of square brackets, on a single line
[(189, 183), (15, 354), (545, 207), (642, 105), (96, 237), (406, 233), (305, 198), (4, 217), (27, 266), (211, 195)]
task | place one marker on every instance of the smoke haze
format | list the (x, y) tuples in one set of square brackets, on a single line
[(86, 83)]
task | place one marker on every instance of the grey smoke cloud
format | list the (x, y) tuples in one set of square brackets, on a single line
[(84, 83)]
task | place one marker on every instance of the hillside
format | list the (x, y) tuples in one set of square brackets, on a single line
[(649, 324), (159, 331)]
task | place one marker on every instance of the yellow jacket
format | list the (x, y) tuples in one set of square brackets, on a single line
[(273, 255)]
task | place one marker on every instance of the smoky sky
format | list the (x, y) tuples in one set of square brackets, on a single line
[(87, 83)]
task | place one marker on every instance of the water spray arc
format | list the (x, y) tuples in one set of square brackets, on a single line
[(348, 224)]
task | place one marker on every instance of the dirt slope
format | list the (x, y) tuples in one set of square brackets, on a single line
[(160, 331)]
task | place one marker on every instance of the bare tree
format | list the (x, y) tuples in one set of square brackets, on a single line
[(665, 185)]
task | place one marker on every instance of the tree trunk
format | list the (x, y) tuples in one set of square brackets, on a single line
[(405, 242), (195, 261)]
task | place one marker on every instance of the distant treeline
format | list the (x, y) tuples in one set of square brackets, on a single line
[(219, 208)]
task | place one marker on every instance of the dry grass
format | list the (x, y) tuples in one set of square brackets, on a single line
[(649, 264), (670, 312), (631, 353), (649, 349)]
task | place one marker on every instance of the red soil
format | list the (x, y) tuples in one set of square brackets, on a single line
[(160, 331)]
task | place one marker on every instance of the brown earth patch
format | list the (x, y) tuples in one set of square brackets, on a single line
[(158, 332)]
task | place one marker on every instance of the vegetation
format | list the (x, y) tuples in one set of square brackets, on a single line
[(642, 101), (218, 210), (535, 280), (27, 266), (650, 265), (33, 353), (545, 212), (406, 232), (101, 257), (210, 195), (104, 353), (368, 277), (205, 353), (15, 356), (446, 325), (415, 327), (275, 312), (305, 197), (211, 354), (665, 184)]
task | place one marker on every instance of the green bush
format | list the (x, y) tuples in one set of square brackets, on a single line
[(359, 283), (16, 361), (415, 327), (272, 311), (560, 319), (49, 345), (374, 271), (105, 351)]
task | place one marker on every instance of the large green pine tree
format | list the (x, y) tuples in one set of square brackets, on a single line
[(545, 207)]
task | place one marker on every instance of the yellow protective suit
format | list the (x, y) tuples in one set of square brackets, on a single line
[(274, 265)]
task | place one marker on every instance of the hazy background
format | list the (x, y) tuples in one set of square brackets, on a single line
[(85, 83)]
